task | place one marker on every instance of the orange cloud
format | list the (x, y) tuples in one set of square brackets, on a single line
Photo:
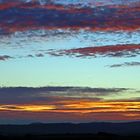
[(77, 106), (72, 110)]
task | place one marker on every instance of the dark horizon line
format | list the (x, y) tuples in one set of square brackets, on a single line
[(74, 123)]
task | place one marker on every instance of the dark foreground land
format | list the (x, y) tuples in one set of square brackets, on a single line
[(70, 131), (71, 137)]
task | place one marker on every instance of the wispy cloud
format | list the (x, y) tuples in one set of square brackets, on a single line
[(130, 50), (126, 64), (39, 55), (5, 57)]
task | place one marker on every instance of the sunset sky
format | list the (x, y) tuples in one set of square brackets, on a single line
[(69, 60)]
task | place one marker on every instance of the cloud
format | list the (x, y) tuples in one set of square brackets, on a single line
[(65, 103), (52, 94), (5, 57), (55, 16), (78, 109), (130, 50), (39, 55), (30, 56), (126, 64), (78, 3)]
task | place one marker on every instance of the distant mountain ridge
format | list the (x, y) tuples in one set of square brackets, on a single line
[(128, 128)]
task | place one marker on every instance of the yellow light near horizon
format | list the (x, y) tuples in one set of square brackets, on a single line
[(31, 108), (77, 107), (38, 108)]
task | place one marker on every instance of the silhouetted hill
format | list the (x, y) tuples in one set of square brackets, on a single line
[(100, 128)]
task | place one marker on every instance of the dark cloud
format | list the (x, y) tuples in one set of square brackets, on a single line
[(31, 90), (126, 64), (10, 107), (5, 57), (51, 94), (30, 55), (39, 55)]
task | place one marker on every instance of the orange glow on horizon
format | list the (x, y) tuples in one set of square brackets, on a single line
[(77, 107), (31, 108)]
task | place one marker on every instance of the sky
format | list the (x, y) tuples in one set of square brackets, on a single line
[(69, 61)]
